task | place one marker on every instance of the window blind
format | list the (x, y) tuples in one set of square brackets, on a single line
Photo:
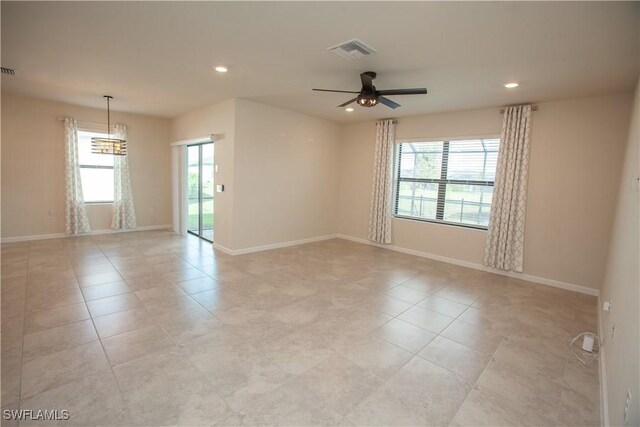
[(447, 181)]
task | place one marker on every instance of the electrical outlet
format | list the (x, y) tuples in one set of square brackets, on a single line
[(627, 406)]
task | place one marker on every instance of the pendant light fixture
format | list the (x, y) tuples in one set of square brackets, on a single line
[(108, 145)]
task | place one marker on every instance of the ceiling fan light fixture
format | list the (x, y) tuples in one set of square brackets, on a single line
[(108, 145), (369, 96), (368, 101)]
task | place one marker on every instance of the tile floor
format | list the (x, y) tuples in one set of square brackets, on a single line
[(151, 328)]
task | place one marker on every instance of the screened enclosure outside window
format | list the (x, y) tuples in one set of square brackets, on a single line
[(96, 170), (446, 181)]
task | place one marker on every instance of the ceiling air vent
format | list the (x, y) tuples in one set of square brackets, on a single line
[(352, 49)]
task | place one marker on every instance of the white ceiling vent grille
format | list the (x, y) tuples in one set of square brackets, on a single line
[(352, 49)]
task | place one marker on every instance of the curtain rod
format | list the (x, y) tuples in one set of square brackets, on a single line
[(533, 108)]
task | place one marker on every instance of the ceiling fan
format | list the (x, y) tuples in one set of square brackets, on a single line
[(368, 96)]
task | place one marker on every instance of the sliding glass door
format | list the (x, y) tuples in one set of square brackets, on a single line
[(200, 190)]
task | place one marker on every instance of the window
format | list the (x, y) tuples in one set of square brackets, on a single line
[(96, 170), (446, 181)]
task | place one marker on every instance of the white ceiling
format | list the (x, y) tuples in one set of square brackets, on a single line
[(156, 57)]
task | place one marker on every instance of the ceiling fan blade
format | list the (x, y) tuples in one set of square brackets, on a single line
[(413, 91), (367, 82), (389, 103), (340, 91), (348, 102)]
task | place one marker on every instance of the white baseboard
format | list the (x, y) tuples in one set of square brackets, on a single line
[(272, 246), (223, 248), (468, 264), (33, 237), (604, 398), (91, 233)]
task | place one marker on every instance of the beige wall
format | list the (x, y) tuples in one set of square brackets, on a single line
[(286, 175), (622, 286), (307, 177), (279, 168), (355, 182), (33, 166), (216, 119), (576, 149)]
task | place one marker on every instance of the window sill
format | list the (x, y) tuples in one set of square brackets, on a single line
[(445, 223)]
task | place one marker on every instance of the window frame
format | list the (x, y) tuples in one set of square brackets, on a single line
[(101, 133), (442, 181)]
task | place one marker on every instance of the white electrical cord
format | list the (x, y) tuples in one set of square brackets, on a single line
[(586, 357)]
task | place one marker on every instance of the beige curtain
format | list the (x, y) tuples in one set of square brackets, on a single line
[(124, 213), (75, 214), (380, 215), (504, 247)]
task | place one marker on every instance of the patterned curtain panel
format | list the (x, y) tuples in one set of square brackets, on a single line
[(380, 216), (505, 238), (75, 215), (124, 214)]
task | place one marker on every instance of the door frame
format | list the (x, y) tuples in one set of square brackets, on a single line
[(199, 234), (179, 182)]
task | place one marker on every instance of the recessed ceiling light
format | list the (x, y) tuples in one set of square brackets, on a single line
[(511, 85), (221, 69), (348, 109)]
